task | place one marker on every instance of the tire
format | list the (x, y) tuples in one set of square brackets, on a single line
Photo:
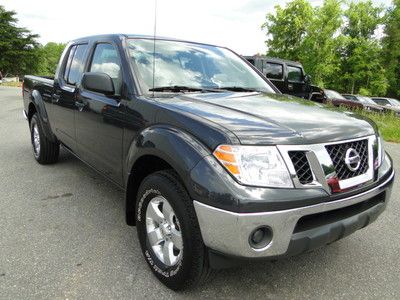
[(187, 266), (44, 150)]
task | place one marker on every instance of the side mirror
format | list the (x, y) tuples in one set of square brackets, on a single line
[(98, 82), (307, 79)]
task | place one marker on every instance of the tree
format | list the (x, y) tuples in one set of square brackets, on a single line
[(391, 48), (361, 66), (319, 51), (17, 46), (49, 56), (287, 28), (336, 43)]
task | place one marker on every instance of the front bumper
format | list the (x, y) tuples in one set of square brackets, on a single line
[(293, 230)]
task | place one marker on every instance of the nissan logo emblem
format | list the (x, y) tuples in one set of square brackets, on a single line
[(352, 159)]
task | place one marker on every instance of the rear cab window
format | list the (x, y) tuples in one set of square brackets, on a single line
[(75, 64)]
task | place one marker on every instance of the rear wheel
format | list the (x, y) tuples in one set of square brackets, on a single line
[(169, 233), (45, 151)]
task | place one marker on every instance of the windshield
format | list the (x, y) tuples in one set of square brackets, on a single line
[(334, 95), (366, 100), (183, 64), (394, 102)]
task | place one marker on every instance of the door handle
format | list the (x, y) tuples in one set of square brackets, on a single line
[(56, 98), (80, 105)]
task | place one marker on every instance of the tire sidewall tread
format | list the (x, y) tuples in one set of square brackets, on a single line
[(193, 267)]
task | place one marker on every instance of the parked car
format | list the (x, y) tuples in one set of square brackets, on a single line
[(389, 104), (216, 163), (337, 99), (288, 76), (366, 102)]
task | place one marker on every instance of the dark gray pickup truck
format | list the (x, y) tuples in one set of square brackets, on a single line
[(217, 165)]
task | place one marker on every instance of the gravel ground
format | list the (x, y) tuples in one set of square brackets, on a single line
[(63, 236)]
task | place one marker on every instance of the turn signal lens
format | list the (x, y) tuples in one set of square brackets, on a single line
[(225, 155)]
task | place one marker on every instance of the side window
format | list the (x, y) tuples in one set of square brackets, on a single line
[(77, 64), (295, 74), (273, 71), (351, 98), (381, 101), (106, 60)]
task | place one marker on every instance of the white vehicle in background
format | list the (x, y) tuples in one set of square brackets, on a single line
[(389, 104)]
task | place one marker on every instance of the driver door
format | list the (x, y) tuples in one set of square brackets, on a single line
[(99, 119)]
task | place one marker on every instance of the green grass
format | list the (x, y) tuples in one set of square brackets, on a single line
[(388, 123), (15, 84)]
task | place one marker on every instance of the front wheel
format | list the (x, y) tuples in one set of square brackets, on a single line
[(169, 233)]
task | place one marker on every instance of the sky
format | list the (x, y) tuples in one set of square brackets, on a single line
[(232, 23)]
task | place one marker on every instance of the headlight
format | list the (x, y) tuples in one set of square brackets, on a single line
[(254, 165), (381, 153)]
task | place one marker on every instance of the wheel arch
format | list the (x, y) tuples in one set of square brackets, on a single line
[(159, 148)]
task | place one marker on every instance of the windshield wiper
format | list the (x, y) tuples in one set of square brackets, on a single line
[(182, 88), (237, 89)]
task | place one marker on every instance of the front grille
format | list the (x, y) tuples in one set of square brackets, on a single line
[(337, 153), (301, 166)]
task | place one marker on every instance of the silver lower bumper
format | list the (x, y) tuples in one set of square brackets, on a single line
[(228, 232)]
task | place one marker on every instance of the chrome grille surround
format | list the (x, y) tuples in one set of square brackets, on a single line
[(323, 167)]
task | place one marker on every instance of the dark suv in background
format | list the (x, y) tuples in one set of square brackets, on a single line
[(288, 76)]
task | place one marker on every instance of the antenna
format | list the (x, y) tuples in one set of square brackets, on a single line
[(154, 42)]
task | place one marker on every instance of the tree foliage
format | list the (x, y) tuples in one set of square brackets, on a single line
[(17, 46), (287, 28), (338, 43), (20, 53), (49, 57), (391, 49), (362, 65), (320, 56)]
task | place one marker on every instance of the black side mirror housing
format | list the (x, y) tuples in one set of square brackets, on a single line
[(307, 79), (98, 82)]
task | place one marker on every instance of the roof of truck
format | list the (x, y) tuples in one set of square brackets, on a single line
[(133, 36)]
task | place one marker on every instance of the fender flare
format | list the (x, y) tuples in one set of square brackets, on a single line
[(37, 101), (178, 148)]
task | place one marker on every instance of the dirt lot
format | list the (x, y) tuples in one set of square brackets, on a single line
[(63, 236)]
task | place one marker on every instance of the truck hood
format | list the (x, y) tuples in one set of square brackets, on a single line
[(257, 118)]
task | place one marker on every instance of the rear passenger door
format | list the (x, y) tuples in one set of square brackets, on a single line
[(100, 119), (63, 110)]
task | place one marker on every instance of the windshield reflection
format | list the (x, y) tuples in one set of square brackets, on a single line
[(191, 65)]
